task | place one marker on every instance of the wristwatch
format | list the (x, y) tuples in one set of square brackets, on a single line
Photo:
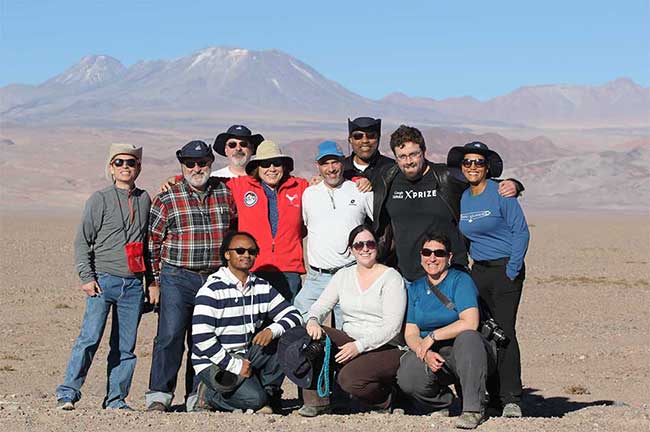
[(432, 336)]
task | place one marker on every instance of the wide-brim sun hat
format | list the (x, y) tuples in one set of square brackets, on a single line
[(296, 366), (236, 131), (457, 154), (117, 149), (269, 150)]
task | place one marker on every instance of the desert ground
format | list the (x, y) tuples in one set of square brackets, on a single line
[(583, 329)]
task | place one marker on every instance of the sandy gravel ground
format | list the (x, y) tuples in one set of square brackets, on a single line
[(583, 331)]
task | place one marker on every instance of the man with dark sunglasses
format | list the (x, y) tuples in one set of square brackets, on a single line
[(114, 222), (365, 160), (187, 224), (237, 320), (238, 144), (416, 196)]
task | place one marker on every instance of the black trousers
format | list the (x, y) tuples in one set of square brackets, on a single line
[(501, 296)]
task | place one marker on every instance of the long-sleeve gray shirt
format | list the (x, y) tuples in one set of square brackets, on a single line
[(99, 244)]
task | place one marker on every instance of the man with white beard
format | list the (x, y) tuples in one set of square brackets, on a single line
[(187, 224), (238, 144)]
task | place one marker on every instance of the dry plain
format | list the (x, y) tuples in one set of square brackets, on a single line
[(583, 328)]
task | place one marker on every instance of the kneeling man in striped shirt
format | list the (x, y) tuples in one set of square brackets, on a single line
[(238, 318)]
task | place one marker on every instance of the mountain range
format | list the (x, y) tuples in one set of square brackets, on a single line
[(572, 146), (234, 82)]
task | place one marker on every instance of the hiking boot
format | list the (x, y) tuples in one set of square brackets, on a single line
[(441, 413), (65, 405), (266, 410), (157, 407), (201, 404), (469, 420), (313, 411), (512, 410)]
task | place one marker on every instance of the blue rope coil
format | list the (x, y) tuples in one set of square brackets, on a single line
[(323, 387)]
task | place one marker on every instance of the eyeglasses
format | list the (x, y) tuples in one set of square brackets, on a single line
[(359, 135), (242, 251), (480, 163), (233, 144), (128, 162), (267, 163), (414, 155), (439, 253), (370, 244), (201, 163)]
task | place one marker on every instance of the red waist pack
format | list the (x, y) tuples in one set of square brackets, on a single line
[(135, 256)]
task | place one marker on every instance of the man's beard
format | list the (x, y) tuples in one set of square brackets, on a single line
[(239, 159), (196, 181)]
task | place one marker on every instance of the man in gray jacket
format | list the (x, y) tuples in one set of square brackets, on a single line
[(109, 257)]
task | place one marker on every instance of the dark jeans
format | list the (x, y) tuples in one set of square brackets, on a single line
[(501, 296), (178, 287), (254, 392), (287, 283), (468, 361), (369, 377)]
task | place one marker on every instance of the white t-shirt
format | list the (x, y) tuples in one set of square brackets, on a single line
[(224, 173), (329, 215)]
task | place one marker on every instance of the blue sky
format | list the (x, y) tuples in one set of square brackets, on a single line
[(422, 48)]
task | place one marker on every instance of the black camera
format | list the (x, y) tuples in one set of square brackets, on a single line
[(493, 331), (314, 351)]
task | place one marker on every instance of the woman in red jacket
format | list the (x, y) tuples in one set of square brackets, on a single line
[(269, 206)]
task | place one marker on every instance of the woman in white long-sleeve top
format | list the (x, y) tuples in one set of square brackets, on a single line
[(373, 302)]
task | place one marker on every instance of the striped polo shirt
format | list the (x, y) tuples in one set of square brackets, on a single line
[(228, 314)]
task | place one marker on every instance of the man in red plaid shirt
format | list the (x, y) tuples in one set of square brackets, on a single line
[(187, 224)]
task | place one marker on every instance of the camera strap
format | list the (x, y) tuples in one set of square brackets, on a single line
[(443, 298)]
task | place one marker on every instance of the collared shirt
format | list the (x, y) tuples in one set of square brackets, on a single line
[(330, 214), (227, 315), (187, 232)]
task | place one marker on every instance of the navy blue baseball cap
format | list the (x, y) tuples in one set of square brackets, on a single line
[(194, 149), (364, 124)]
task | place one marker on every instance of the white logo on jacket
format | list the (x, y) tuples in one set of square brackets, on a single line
[(472, 216), (250, 199)]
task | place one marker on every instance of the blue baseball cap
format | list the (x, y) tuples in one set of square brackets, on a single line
[(329, 148)]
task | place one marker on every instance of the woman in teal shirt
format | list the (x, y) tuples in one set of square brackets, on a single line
[(445, 346)]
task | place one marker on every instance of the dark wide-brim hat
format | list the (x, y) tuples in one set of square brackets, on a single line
[(457, 154), (269, 150), (236, 131), (296, 366), (225, 381), (364, 124)]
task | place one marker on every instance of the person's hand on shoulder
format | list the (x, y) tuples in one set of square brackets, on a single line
[(363, 184)]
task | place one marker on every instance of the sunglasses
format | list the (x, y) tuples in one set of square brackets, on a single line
[(359, 135), (128, 162), (439, 253), (370, 244), (480, 163), (233, 144), (191, 164), (267, 163), (242, 251)]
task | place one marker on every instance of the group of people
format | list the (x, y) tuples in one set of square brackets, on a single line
[(220, 255)]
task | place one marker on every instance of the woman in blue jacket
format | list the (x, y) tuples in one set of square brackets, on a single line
[(498, 233)]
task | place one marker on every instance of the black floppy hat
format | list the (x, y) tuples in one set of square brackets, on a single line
[(298, 367), (364, 124), (236, 131), (495, 163)]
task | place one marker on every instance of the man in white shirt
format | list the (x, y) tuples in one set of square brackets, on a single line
[(238, 144), (330, 210)]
